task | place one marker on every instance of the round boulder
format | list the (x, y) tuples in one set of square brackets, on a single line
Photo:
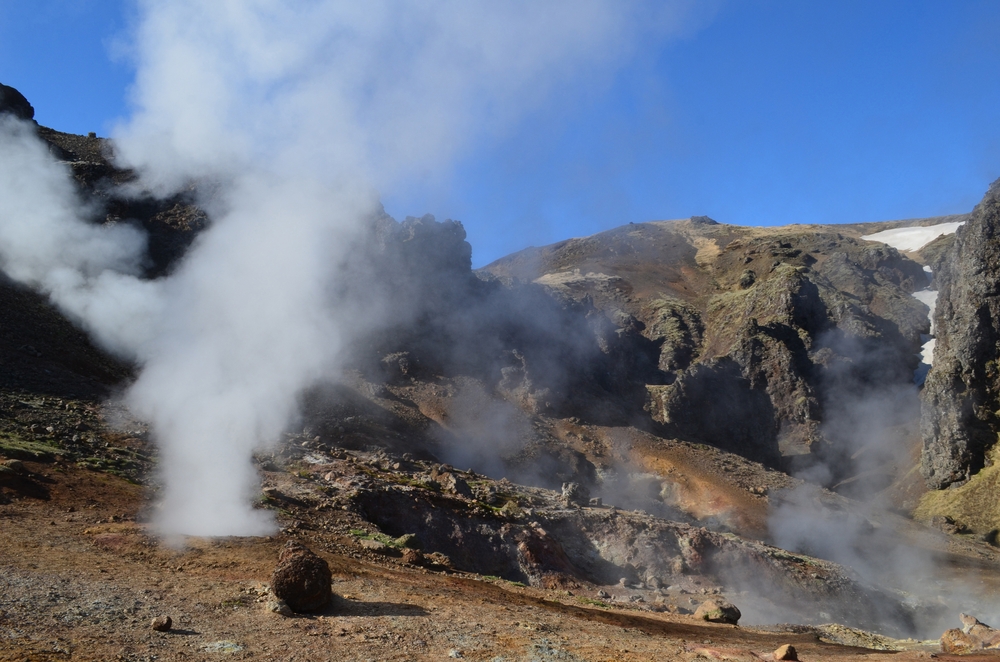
[(301, 579), (162, 623), (718, 611)]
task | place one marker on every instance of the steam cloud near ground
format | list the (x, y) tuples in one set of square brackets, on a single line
[(288, 117)]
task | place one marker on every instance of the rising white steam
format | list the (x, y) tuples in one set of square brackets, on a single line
[(292, 113)]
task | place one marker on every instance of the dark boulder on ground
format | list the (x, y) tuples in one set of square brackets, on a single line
[(14, 103), (302, 579), (960, 413)]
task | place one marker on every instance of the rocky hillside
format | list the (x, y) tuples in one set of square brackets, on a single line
[(629, 423), (763, 337)]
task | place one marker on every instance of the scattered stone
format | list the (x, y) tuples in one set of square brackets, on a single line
[(747, 279), (280, 607), (455, 653), (449, 482), (162, 623), (716, 610), (14, 465), (596, 502), (946, 524), (413, 557), (301, 579), (575, 494), (374, 545), (786, 652)]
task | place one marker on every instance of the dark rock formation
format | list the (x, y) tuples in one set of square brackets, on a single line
[(301, 579), (14, 103), (961, 398)]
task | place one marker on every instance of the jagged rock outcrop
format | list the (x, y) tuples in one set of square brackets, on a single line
[(14, 103), (772, 328), (960, 415)]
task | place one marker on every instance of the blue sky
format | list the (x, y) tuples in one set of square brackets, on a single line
[(763, 113)]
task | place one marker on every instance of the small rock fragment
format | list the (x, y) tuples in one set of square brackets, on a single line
[(454, 484), (575, 494), (374, 545), (413, 557), (716, 610), (280, 607), (786, 652), (162, 623)]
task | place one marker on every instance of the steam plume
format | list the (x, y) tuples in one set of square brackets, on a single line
[(291, 115)]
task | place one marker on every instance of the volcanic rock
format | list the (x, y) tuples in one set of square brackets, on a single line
[(974, 635), (14, 103), (947, 524), (955, 641), (716, 610), (960, 412), (413, 557), (280, 607), (786, 652), (454, 484), (575, 494), (162, 623), (302, 579)]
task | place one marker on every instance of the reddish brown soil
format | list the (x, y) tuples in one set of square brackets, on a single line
[(81, 580)]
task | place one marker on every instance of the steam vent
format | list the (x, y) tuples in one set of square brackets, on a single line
[(610, 447)]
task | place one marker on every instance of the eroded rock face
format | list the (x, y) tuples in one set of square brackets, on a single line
[(960, 403), (607, 547), (14, 103), (301, 579)]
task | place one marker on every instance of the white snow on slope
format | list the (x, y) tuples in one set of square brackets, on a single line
[(913, 238)]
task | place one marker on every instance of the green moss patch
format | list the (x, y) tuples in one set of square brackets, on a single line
[(12, 446)]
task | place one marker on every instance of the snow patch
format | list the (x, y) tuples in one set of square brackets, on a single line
[(929, 299), (913, 238)]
